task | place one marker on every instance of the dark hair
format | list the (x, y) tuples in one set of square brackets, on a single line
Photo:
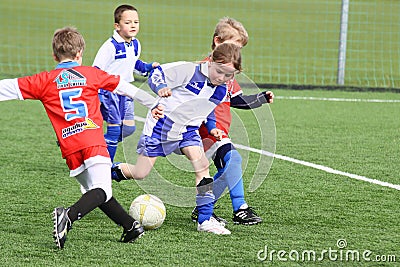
[(121, 9), (227, 53)]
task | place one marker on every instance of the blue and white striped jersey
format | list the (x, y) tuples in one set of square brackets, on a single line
[(192, 102), (118, 57)]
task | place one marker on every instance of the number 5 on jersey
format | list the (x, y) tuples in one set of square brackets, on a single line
[(73, 108)]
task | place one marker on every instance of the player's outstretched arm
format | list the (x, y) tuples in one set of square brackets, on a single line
[(9, 90), (127, 89), (252, 101)]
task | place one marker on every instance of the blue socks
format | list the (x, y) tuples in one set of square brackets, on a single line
[(230, 176), (112, 137), (205, 199)]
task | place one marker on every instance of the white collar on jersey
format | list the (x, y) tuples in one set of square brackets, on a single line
[(204, 68), (118, 37)]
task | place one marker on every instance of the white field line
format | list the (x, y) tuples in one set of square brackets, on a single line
[(338, 99), (309, 164), (320, 167)]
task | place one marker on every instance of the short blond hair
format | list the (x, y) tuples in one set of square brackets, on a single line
[(67, 43), (230, 29)]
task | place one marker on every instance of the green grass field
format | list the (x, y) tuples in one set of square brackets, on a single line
[(303, 208)]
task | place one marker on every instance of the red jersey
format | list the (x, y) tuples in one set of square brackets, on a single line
[(70, 98), (223, 116)]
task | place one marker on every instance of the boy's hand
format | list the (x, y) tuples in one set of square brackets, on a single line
[(217, 133), (155, 65), (269, 96), (158, 112), (164, 92)]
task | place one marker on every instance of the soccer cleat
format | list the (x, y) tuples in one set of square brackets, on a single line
[(195, 217), (213, 226), (246, 216), (62, 224), (134, 233), (116, 173)]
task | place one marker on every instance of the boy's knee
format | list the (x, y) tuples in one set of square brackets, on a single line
[(128, 130), (234, 157), (112, 135)]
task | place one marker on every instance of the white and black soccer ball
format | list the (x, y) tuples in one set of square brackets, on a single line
[(149, 210)]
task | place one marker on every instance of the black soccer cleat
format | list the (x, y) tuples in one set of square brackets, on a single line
[(195, 217), (116, 173), (134, 233), (62, 224), (246, 216)]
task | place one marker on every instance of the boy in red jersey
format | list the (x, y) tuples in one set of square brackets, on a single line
[(69, 96), (226, 158)]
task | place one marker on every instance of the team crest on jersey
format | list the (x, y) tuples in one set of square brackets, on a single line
[(79, 127), (195, 87), (69, 78)]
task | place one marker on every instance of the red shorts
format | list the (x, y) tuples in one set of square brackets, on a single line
[(77, 159)]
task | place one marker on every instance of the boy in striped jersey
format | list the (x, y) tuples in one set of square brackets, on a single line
[(189, 93), (226, 158), (120, 55)]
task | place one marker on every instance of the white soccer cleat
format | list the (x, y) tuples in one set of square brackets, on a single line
[(213, 226)]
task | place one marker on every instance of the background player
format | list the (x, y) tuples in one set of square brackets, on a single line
[(120, 55), (226, 158), (69, 95), (189, 92)]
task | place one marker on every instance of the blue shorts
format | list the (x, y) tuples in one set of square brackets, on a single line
[(154, 147), (116, 108)]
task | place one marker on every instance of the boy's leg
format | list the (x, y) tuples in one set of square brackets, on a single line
[(126, 171), (229, 164), (198, 160), (132, 228), (63, 218), (111, 112), (205, 196), (95, 184), (112, 136), (128, 119), (98, 177), (205, 203)]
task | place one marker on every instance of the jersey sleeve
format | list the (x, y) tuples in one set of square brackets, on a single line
[(107, 81), (171, 75), (104, 56), (9, 90), (234, 88), (32, 87), (127, 89)]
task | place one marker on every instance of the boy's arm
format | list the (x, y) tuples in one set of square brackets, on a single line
[(144, 68), (251, 101), (104, 57), (170, 75), (127, 89), (211, 125), (9, 90)]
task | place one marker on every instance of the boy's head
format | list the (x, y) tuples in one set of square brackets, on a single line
[(126, 22), (229, 30), (68, 44), (226, 60)]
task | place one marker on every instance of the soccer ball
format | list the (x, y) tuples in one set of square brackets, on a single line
[(149, 210)]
